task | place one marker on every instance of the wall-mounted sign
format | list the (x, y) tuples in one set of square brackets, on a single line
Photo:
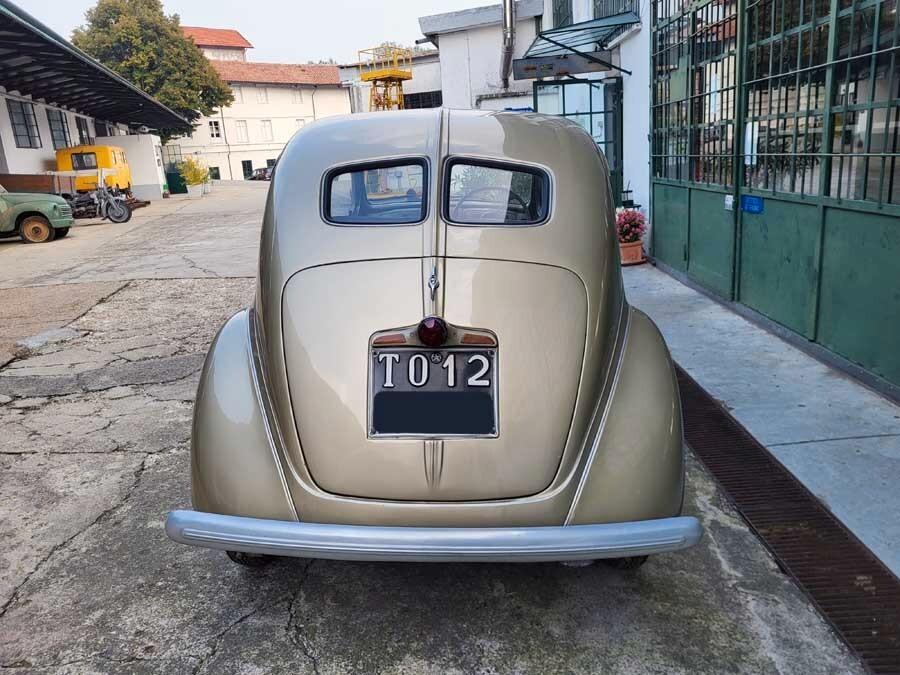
[(751, 204), (729, 202), (559, 65)]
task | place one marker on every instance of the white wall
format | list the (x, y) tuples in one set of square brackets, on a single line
[(283, 108), (470, 63), (33, 160), (144, 161), (225, 53)]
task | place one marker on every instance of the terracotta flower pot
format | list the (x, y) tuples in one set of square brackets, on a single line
[(631, 253)]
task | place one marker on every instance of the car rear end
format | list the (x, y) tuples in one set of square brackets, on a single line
[(435, 356)]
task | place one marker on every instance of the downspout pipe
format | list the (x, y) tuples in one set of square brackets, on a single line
[(508, 31)]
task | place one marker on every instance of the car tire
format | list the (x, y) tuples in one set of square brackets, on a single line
[(249, 559), (61, 232), (36, 230), (626, 564)]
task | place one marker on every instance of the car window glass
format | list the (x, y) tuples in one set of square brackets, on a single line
[(84, 160), (481, 194), (378, 195)]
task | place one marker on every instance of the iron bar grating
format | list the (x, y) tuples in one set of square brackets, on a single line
[(851, 588)]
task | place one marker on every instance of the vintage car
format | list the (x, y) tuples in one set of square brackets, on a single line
[(440, 363), (36, 217)]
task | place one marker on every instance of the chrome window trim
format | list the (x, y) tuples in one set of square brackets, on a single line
[(495, 163), (373, 163)]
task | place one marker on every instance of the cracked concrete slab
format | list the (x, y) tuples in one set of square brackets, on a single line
[(27, 312), (91, 461)]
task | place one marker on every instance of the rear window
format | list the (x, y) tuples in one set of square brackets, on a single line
[(84, 160), (391, 193), (488, 193)]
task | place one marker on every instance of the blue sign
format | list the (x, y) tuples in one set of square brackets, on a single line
[(751, 204)]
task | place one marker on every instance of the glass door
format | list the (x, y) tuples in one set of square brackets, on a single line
[(597, 106)]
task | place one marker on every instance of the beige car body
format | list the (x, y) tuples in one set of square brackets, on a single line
[(587, 461)]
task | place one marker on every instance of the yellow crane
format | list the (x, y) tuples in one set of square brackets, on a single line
[(386, 67)]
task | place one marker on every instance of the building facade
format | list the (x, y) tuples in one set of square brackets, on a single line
[(469, 43), (272, 101), (776, 165)]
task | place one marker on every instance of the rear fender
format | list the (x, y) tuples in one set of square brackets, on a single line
[(636, 465), (235, 469)]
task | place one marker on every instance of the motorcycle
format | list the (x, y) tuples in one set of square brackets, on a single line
[(103, 203)]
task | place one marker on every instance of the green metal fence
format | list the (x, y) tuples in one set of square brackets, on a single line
[(775, 132)]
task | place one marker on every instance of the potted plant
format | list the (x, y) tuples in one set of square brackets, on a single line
[(195, 175), (630, 226)]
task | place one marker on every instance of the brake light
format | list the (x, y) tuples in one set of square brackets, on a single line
[(432, 331)]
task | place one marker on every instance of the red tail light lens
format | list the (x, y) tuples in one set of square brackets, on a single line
[(432, 331)]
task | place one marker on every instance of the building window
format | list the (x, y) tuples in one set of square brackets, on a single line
[(241, 128), (300, 122), (238, 93), (423, 99), (215, 130), (296, 95), (262, 95), (267, 130), (562, 13), (24, 124), (59, 128), (214, 173), (84, 131), (270, 163), (102, 129)]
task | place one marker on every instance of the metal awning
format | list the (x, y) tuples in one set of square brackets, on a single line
[(37, 62), (578, 47)]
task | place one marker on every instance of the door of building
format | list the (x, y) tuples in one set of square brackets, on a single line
[(247, 168), (597, 106)]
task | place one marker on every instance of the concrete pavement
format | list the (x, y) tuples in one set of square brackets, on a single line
[(95, 452), (839, 438)]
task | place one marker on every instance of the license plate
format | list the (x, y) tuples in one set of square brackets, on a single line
[(433, 392)]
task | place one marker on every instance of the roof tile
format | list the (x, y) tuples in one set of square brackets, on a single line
[(276, 73), (215, 37)]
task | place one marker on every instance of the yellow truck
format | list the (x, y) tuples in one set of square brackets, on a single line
[(110, 158)]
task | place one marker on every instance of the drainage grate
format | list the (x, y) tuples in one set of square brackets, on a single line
[(852, 589)]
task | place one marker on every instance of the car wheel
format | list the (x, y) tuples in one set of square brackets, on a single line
[(61, 232), (626, 564), (36, 230), (249, 559)]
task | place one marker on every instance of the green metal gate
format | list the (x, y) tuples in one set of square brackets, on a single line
[(775, 131), (597, 106)]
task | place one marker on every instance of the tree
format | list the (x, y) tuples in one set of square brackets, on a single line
[(136, 39)]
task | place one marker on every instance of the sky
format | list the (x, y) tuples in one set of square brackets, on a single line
[(284, 31)]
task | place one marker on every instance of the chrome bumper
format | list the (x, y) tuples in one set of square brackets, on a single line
[(432, 544)]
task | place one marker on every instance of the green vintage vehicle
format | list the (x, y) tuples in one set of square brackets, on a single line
[(34, 216)]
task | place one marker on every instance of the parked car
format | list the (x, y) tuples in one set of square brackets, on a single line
[(108, 158), (440, 364), (261, 173), (36, 217)]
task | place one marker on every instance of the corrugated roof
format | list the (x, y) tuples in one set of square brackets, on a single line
[(276, 73), (44, 65), (215, 37)]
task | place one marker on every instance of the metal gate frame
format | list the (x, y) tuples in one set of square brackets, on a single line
[(795, 215)]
